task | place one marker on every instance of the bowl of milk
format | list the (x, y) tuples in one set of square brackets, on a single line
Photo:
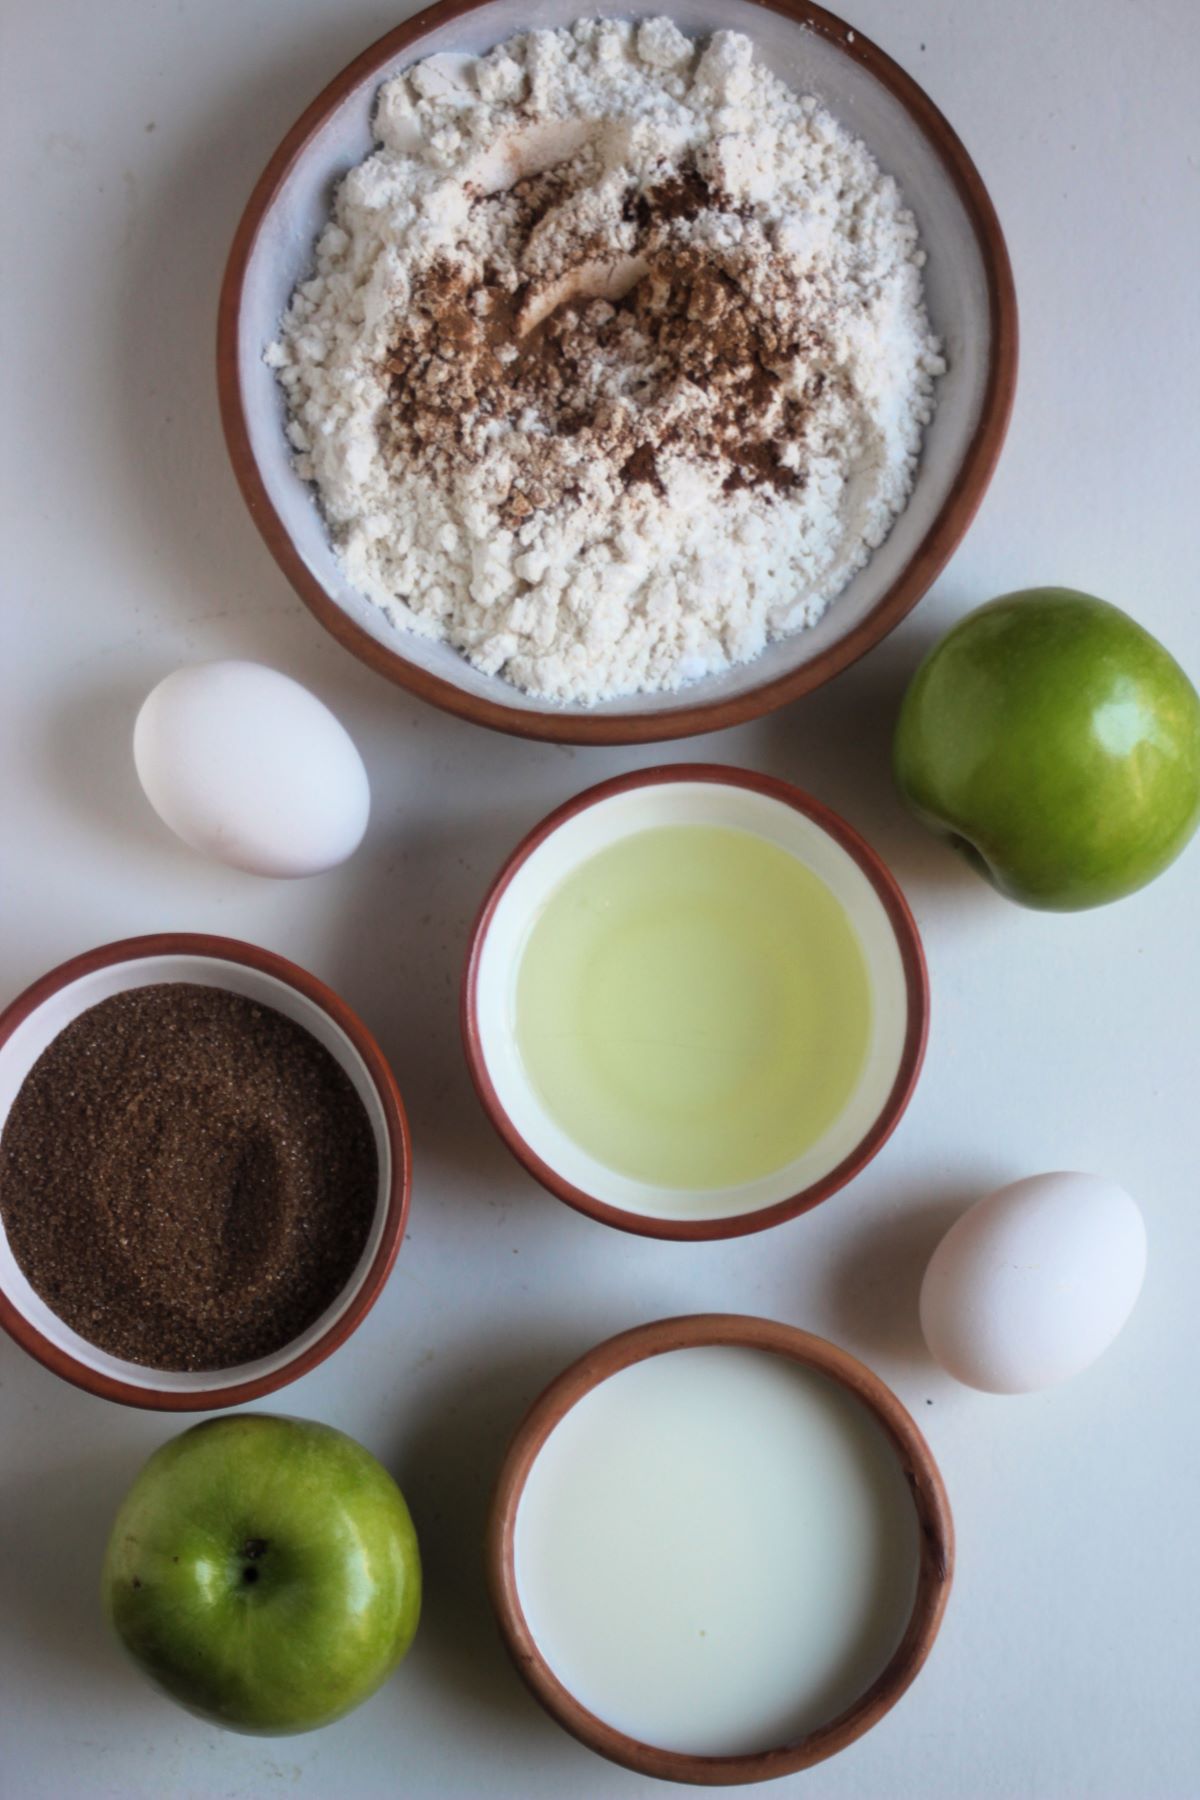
[(719, 1549), (696, 1002)]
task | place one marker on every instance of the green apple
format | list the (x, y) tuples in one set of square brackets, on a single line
[(1056, 743), (264, 1572)]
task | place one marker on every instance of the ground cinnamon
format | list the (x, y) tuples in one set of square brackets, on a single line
[(723, 326)]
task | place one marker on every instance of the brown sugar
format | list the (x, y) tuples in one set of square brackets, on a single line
[(187, 1178)]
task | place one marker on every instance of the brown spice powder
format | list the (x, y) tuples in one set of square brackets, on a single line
[(698, 317), (187, 1178)]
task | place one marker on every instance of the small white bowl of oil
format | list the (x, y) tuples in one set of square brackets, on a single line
[(695, 1002)]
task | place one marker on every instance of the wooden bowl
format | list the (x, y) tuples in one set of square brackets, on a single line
[(935, 1547), (37, 1016), (696, 793), (972, 305)]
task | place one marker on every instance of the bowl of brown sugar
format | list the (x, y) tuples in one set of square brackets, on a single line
[(205, 1170)]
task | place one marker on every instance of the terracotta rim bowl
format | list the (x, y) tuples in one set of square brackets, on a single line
[(934, 1574), (36, 1017), (706, 793), (972, 302)]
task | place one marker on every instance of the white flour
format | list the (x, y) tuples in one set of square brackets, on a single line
[(615, 362)]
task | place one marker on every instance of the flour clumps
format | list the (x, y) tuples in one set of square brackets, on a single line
[(615, 362)]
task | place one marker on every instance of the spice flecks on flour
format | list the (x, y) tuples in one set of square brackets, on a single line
[(615, 363)]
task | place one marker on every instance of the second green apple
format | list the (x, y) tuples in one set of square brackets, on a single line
[(1057, 743), (264, 1572)]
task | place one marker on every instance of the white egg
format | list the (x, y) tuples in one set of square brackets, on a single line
[(246, 765), (1033, 1282)]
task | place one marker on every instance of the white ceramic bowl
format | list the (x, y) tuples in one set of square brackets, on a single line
[(30, 1024), (915, 1478), (696, 794), (971, 303)]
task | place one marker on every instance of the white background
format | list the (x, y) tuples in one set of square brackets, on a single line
[(1067, 1664)]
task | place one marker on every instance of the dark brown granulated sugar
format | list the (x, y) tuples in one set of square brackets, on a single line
[(187, 1178)]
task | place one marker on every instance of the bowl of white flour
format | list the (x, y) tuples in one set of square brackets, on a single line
[(611, 380)]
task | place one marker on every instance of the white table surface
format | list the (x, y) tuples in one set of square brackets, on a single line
[(1067, 1664)]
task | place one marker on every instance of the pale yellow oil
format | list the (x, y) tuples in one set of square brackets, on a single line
[(693, 1006)]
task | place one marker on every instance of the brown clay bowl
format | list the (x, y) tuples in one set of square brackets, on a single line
[(705, 794), (43, 1010), (934, 1537), (972, 304)]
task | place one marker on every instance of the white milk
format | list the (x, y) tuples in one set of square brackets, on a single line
[(716, 1550)]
